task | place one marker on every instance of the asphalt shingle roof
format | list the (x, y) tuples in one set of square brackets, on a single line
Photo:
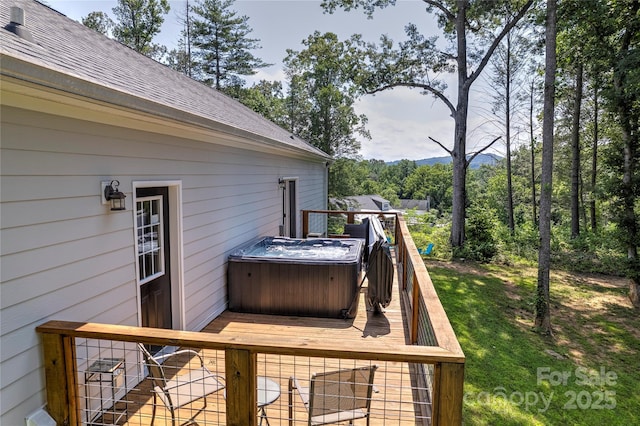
[(361, 202), (64, 46)]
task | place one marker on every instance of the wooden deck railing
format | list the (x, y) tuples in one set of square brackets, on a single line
[(240, 353), (428, 322), (434, 346)]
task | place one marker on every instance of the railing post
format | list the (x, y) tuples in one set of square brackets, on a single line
[(241, 390), (59, 370), (403, 261), (448, 394), (415, 309), (305, 223), (396, 231)]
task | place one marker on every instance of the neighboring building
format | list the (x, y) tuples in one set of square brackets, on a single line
[(419, 205), (363, 202), (201, 173)]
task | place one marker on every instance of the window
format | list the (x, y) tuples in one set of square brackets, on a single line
[(149, 232)]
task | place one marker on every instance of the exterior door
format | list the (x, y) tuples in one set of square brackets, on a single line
[(289, 208), (154, 274)]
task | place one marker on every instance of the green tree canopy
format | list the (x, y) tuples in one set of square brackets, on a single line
[(266, 98), (430, 181), (138, 21), (346, 176), (99, 21), (321, 98), (395, 175)]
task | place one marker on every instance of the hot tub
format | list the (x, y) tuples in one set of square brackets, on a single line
[(282, 276)]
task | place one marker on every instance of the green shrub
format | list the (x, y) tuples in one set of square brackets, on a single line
[(427, 229), (592, 252), (481, 244), (335, 224), (521, 247)]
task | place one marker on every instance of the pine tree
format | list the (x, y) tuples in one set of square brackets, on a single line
[(222, 44)]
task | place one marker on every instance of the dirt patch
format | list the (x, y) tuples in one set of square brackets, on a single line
[(581, 303), (608, 281), (461, 267)]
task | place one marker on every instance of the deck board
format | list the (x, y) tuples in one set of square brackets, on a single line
[(393, 404)]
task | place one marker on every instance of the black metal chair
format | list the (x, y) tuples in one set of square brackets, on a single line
[(182, 389)]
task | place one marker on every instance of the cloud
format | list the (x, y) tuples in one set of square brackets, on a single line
[(401, 122), (273, 73)]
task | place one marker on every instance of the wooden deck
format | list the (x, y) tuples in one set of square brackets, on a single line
[(244, 347), (393, 403), (368, 328)]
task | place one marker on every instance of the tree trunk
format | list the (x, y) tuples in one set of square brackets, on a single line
[(629, 216), (533, 157), (583, 204), (594, 160), (634, 292), (542, 305), (512, 226), (218, 73), (459, 152), (626, 99), (629, 126), (188, 35), (575, 157), (459, 179)]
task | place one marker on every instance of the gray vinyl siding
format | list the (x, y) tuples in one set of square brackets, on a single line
[(65, 256)]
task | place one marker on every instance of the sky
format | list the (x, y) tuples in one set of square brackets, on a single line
[(400, 121)]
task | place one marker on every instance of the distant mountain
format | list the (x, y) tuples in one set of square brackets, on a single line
[(481, 159)]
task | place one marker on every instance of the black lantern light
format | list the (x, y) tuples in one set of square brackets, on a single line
[(116, 197)]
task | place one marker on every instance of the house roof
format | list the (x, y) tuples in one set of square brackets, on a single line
[(416, 204), (363, 202), (67, 56)]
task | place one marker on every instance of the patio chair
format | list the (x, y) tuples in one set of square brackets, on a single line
[(175, 392), (336, 396), (427, 250)]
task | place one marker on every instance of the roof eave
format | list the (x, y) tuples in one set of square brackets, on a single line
[(90, 101)]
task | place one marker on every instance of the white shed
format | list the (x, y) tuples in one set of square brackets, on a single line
[(202, 174)]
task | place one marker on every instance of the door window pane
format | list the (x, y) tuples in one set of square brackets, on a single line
[(149, 233)]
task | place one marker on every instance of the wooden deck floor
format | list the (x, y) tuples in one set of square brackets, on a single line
[(394, 403)]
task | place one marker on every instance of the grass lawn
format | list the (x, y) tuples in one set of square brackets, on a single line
[(588, 373)]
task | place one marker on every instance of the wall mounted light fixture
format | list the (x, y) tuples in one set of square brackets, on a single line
[(114, 196)]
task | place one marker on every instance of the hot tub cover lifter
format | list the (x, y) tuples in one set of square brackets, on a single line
[(380, 271)]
